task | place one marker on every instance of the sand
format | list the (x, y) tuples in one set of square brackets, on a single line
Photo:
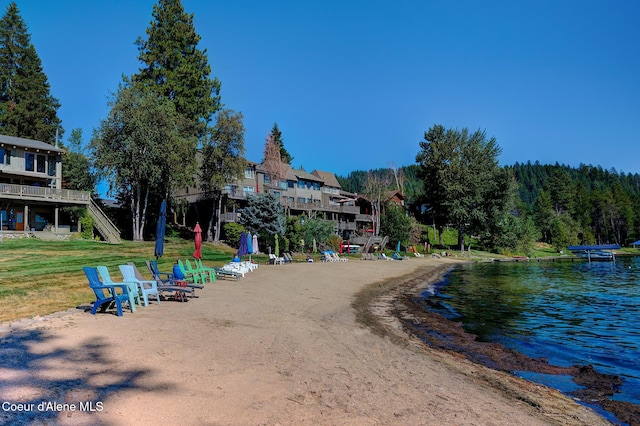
[(286, 345)]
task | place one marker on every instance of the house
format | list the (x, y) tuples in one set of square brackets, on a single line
[(31, 193), (299, 192)]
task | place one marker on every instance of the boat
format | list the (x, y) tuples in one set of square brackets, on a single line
[(596, 252)]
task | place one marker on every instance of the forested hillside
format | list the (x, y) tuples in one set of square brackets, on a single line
[(568, 205)]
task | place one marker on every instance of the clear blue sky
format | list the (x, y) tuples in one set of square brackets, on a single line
[(353, 85)]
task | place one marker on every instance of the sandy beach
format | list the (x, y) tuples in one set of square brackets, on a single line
[(286, 345)]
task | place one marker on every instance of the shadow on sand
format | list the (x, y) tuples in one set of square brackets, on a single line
[(53, 382)]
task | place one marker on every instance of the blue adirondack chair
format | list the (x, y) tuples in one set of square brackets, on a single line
[(105, 294), (146, 287), (134, 295)]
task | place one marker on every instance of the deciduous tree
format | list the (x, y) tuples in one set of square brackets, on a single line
[(222, 162), (141, 152), (459, 170)]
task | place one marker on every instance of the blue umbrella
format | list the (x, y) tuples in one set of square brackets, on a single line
[(398, 248), (242, 249), (249, 243), (160, 229)]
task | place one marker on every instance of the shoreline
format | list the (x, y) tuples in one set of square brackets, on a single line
[(281, 346), (400, 314)]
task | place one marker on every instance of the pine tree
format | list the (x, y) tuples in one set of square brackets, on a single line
[(27, 108), (277, 139), (176, 69)]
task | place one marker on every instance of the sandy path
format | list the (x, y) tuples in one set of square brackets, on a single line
[(281, 346)]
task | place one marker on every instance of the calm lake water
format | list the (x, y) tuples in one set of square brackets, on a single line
[(568, 312)]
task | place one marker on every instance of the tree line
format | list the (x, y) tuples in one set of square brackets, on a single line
[(167, 125)]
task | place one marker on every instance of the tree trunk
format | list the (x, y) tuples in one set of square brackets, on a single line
[(218, 218), (210, 226)]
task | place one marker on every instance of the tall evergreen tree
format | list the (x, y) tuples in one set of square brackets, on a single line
[(76, 166), (276, 134), (27, 108), (176, 69)]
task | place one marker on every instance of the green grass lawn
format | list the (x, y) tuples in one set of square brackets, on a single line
[(42, 277)]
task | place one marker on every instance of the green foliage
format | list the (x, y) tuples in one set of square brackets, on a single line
[(263, 215), (175, 69), (319, 229), (293, 233), (27, 108), (396, 224), (223, 153), (564, 232), (232, 231), (77, 167), (463, 183), (86, 224), (140, 150), (277, 139)]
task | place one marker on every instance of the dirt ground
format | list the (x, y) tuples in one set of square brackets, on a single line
[(314, 344)]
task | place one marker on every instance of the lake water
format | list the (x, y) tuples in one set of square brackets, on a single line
[(568, 312)]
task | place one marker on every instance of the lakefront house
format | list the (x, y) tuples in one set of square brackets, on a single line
[(31, 194)]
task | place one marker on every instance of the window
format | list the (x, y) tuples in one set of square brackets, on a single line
[(250, 172), (267, 179), (316, 186), (291, 184), (52, 166), (283, 185), (8, 157), (248, 190), (40, 163), (301, 184), (28, 161), (1, 155)]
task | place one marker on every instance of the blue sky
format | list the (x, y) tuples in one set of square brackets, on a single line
[(353, 85)]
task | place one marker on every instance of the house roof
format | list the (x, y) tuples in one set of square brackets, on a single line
[(300, 174), (328, 178), (28, 143)]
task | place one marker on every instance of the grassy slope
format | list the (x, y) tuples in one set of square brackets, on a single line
[(41, 277)]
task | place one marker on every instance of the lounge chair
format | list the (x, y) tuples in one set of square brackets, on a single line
[(106, 295), (227, 274), (338, 258), (147, 287), (178, 292), (134, 295), (287, 258), (273, 260), (169, 279)]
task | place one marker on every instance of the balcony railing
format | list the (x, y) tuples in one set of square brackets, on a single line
[(26, 192)]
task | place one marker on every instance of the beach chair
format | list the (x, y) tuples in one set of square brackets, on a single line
[(147, 287), (191, 276), (134, 295), (178, 292), (337, 258), (106, 295), (227, 274), (210, 270), (195, 270), (169, 279), (273, 260)]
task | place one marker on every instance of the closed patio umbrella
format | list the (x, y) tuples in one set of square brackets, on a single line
[(249, 243), (160, 230), (242, 248), (398, 248), (255, 243), (198, 242)]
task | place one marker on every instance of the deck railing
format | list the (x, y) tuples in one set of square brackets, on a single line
[(9, 190)]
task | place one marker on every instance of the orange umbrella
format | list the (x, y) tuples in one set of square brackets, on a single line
[(198, 253)]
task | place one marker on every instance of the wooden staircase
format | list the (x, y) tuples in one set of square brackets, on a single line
[(103, 224)]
